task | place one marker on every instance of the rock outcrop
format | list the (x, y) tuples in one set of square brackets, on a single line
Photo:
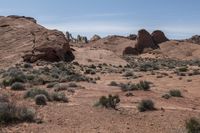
[(194, 39), (95, 38), (144, 40), (130, 51), (23, 34), (132, 37), (81, 39), (159, 37)]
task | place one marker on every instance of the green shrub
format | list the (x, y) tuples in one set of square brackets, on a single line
[(59, 97), (41, 99), (175, 93), (35, 91), (193, 125), (109, 102), (9, 113), (51, 85), (90, 71), (128, 87), (128, 74), (146, 105), (74, 85), (18, 86)]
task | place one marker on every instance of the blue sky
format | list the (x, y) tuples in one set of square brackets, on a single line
[(177, 18)]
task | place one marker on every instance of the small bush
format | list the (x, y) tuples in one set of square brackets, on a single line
[(175, 93), (183, 69), (143, 85), (59, 97), (128, 74), (18, 86), (146, 105), (74, 85), (51, 85), (166, 96), (33, 92), (113, 83), (109, 102), (128, 87), (9, 113), (41, 99), (193, 125)]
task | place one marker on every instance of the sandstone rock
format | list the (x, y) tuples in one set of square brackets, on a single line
[(144, 40), (194, 39), (22, 35), (132, 37), (24, 17), (95, 38), (159, 37), (130, 51)]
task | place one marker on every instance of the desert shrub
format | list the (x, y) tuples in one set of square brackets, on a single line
[(61, 87), (183, 69), (35, 91), (9, 112), (41, 99), (128, 87), (148, 66), (13, 75), (74, 85), (193, 125), (146, 105), (51, 85), (144, 85), (56, 96), (108, 102), (113, 83), (166, 96), (128, 74), (28, 65), (90, 71), (18, 86), (175, 93), (4, 98)]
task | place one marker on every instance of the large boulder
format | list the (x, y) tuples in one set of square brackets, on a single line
[(159, 37), (144, 40), (130, 51), (194, 39), (19, 34)]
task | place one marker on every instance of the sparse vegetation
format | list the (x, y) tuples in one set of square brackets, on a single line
[(113, 83), (56, 96), (17, 86), (193, 125), (108, 102), (146, 105), (9, 113), (35, 91), (175, 93), (41, 99)]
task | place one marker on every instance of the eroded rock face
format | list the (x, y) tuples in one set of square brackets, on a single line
[(23, 34), (194, 39), (159, 37), (132, 37), (144, 40)]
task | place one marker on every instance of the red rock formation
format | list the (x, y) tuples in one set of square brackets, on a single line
[(159, 37)]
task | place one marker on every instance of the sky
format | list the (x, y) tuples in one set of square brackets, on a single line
[(179, 19)]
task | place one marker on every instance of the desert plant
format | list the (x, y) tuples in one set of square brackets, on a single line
[(59, 97), (74, 85), (41, 99), (175, 93), (18, 86), (146, 105), (108, 102), (51, 85), (128, 87), (143, 85), (193, 125), (113, 83), (183, 69), (35, 91), (166, 96), (9, 112)]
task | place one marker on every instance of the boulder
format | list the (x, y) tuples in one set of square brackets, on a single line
[(194, 39), (144, 40), (95, 38), (82, 39), (159, 37), (19, 34), (130, 51)]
